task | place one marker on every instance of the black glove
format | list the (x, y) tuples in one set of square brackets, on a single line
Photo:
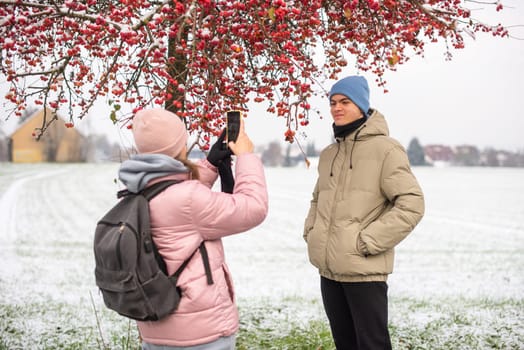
[(218, 153), (220, 157), (227, 181)]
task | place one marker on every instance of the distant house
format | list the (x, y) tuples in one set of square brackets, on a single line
[(493, 157), (58, 144), (466, 155), (439, 154)]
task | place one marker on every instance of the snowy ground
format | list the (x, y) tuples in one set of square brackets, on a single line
[(467, 252)]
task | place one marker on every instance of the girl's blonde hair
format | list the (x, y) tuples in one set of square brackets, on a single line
[(193, 169)]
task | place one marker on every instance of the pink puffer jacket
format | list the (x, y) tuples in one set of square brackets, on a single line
[(182, 217)]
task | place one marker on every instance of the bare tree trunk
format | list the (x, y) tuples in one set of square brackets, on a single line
[(177, 70)]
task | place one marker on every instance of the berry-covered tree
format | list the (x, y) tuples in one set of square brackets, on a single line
[(198, 58)]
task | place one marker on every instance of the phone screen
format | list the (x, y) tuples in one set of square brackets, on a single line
[(233, 125)]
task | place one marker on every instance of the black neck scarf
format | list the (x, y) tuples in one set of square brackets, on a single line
[(341, 131)]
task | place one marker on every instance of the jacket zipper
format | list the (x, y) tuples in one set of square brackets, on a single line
[(118, 251), (341, 176), (121, 227)]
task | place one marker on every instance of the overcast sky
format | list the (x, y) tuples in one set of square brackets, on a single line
[(476, 98)]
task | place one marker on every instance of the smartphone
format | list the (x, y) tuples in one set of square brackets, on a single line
[(232, 125)]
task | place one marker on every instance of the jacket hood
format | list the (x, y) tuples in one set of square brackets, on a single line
[(375, 125), (136, 172)]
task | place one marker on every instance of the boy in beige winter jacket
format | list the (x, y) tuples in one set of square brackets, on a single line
[(366, 200)]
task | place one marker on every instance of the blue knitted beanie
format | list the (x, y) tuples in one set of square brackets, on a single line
[(356, 89)]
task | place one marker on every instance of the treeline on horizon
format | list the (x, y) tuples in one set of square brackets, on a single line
[(274, 154)]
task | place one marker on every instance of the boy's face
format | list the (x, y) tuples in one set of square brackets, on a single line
[(343, 110)]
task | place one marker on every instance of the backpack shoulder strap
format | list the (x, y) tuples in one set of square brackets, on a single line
[(153, 190), (205, 260)]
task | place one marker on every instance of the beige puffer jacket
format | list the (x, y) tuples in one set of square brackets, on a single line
[(365, 202)]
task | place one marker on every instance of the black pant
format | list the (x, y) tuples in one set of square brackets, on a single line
[(357, 313)]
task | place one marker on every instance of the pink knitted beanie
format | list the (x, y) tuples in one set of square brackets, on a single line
[(159, 131)]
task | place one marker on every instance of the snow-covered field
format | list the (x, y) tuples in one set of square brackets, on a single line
[(465, 257)]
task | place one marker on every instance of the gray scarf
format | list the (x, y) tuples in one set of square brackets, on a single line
[(136, 172)]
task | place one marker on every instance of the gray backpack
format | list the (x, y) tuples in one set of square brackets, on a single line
[(129, 271)]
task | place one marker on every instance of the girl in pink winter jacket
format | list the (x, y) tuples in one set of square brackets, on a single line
[(187, 214)]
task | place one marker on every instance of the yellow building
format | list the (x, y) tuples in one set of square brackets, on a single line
[(58, 144)]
